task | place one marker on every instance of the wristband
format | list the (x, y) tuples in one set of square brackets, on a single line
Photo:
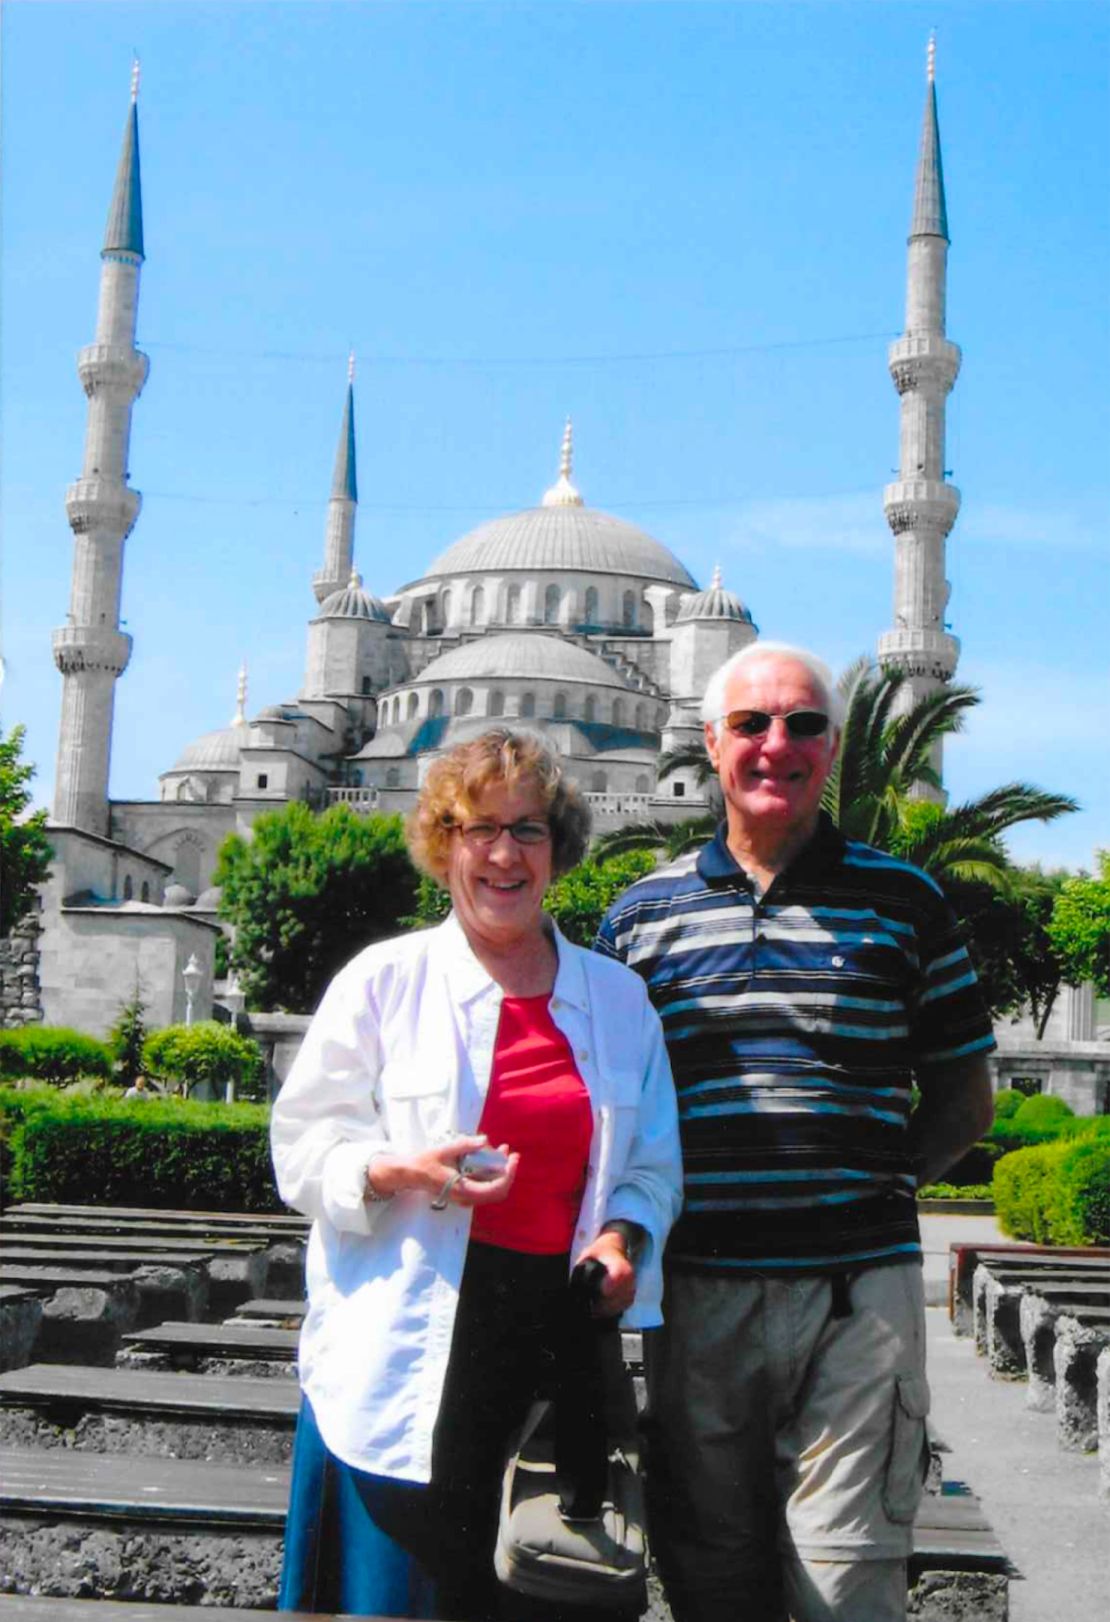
[(372, 1195)]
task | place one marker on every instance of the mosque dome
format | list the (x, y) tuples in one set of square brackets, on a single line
[(213, 751), (353, 602), (177, 895), (526, 656), (561, 535), (715, 603)]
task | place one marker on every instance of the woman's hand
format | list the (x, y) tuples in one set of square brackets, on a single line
[(618, 1289), (435, 1172)]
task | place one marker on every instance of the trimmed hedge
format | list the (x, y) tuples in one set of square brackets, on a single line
[(1007, 1102), (53, 1053), (184, 1056), (163, 1153), (1057, 1193)]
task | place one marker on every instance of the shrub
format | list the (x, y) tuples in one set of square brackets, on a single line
[(53, 1053), (1007, 1102), (126, 1038), (1025, 1191), (976, 1165), (164, 1153), (184, 1056), (1083, 1195), (1041, 1111)]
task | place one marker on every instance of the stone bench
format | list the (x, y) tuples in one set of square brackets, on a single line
[(1079, 1345), (997, 1296), (83, 1523), (179, 1289), (279, 1224), (36, 1608), (20, 1321), (237, 1348), (236, 1270), (161, 1415), (963, 1259), (1038, 1319)]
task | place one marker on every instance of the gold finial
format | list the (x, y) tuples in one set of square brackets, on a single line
[(240, 717), (931, 59), (355, 582), (351, 367), (715, 583), (135, 77), (562, 492)]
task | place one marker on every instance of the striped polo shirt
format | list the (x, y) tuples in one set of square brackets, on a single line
[(795, 1021)]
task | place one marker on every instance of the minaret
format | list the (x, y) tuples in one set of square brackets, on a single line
[(339, 535), (921, 506), (91, 651)]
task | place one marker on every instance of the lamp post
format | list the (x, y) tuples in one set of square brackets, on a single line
[(192, 974)]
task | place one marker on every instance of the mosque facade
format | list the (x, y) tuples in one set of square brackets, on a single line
[(561, 618)]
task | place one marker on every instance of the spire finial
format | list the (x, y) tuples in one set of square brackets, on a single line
[(931, 59), (355, 582), (135, 77), (351, 367), (563, 492), (715, 583), (239, 719)]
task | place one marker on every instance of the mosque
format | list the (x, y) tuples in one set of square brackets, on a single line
[(560, 618)]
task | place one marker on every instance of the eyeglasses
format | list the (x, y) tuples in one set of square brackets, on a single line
[(755, 723), (528, 831)]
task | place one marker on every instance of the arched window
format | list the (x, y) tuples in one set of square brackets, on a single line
[(464, 701), (591, 707), (427, 616), (598, 783), (435, 703), (512, 606), (618, 712), (560, 711), (528, 704), (551, 605), (366, 686), (591, 605), (445, 608), (642, 785), (497, 702), (128, 888), (356, 778), (477, 606), (413, 705), (393, 777), (628, 611), (144, 893), (641, 717)]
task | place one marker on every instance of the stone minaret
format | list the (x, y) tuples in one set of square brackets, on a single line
[(91, 651), (339, 535), (920, 505)]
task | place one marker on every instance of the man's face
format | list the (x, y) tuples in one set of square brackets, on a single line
[(772, 782)]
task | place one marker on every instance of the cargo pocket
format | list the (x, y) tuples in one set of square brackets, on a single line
[(909, 1448)]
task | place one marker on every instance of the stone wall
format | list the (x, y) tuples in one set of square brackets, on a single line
[(20, 992), (1077, 1072)]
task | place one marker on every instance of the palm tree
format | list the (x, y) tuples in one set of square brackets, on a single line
[(671, 840), (885, 752)]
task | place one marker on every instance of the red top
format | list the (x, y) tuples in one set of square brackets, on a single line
[(538, 1104)]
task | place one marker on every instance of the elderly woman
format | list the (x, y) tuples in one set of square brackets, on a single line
[(475, 1109)]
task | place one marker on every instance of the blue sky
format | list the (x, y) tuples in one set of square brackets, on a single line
[(682, 223)]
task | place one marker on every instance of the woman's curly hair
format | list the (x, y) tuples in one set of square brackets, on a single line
[(458, 780)]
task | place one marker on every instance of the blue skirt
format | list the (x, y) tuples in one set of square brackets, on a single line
[(367, 1545)]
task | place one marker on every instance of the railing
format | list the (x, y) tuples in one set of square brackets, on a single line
[(360, 799), (633, 806)]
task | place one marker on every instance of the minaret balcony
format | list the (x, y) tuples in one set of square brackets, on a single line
[(920, 652), (923, 360), (921, 504), (93, 504), (112, 366), (79, 648)]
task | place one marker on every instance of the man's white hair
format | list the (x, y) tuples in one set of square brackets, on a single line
[(713, 704)]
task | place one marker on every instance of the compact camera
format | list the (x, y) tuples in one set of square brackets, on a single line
[(483, 1164)]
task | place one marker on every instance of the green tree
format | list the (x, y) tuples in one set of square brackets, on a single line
[(127, 1035), (1017, 963), (886, 752), (305, 893), (1079, 928), (24, 848)]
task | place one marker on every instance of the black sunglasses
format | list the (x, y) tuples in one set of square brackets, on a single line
[(754, 723)]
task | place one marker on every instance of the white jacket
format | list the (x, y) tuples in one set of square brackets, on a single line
[(398, 1058)]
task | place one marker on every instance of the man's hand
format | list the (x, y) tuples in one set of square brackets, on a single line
[(955, 1109)]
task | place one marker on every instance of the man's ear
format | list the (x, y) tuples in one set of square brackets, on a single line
[(712, 745)]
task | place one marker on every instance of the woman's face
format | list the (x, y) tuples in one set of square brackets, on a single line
[(497, 889)]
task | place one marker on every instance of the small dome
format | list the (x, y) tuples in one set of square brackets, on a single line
[(352, 602), (213, 751), (208, 900), (176, 895), (713, 604), (528, 656)]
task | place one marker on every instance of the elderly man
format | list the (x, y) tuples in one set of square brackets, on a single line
[(807, 985)]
